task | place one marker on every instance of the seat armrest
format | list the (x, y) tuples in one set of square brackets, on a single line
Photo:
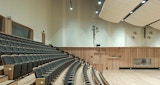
[(40, 81), (9, 71)]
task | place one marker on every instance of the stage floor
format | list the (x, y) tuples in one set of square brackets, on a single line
[(132, 77)]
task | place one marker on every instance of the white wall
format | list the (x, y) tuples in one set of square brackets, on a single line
[(74, 28), (35, 14)]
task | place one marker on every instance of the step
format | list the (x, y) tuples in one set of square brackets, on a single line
[(27, 80), (3, 78), (1, 70), (9, 82)]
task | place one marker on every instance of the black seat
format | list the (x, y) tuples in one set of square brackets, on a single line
[(29, 64), (34, 64), (8, 60), (39, 74), (18, 60)]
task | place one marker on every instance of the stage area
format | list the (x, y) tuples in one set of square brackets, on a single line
[(132, 77)]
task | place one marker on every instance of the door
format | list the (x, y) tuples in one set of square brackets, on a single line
[(113, 63)]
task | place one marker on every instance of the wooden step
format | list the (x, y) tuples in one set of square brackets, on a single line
[(1, 70), (9, 82), (28, 80), (3, 78)]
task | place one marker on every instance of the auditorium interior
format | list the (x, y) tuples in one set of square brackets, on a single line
[(79, 42)]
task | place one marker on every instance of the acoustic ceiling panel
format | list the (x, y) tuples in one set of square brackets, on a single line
[(116, 10), (156, 25), (146, 14)]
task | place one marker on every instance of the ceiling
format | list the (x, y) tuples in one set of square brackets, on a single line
[(144, 14)]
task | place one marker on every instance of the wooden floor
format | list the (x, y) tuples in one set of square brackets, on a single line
[(132, 77)]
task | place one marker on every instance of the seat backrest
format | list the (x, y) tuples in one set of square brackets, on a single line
[(17, 59), (29, 58), (2, 48), (7, 60), (34, 57), (37, 72), (24, 58)]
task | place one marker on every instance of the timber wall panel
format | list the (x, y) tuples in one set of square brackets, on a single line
[(99, 55)]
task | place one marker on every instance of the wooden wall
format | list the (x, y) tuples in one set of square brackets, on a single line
[(116, 57)]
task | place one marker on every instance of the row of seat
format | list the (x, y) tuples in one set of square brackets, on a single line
[(18, 39), (5, 48), (70, 74), (103, 79), (85, 76), (20, 50), (21, 42), (23, 64), (95, 78), (46, 73), (24, 45)]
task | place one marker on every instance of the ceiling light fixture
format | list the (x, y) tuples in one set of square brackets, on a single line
[(122, 20), (71, 8), (144, 1), (131, 12), (96, 12), (137, 7), (99, 2)]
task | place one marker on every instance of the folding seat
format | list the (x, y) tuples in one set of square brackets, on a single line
[(44, 71), (29, 64), (2, 42), (18, 60), (41, 78), (21, 50), (23, 45), (7, 49), (46, 58), (40, 61), (2, 49), (14, 44), (12, 69), (10, 43), (15, 49), (34, 64), (41, 58), (35, 60), (30, 50)]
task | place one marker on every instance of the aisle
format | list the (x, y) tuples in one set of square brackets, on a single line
[(79, 76), (97, 74), (90, 76), (59, 80)]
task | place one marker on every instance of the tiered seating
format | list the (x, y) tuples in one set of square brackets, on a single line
[(15, 45), (70, 74), (103, 79), (19, 65), (19, 56), (46, 73), (86, 80), (97, 82), (22, 56)]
